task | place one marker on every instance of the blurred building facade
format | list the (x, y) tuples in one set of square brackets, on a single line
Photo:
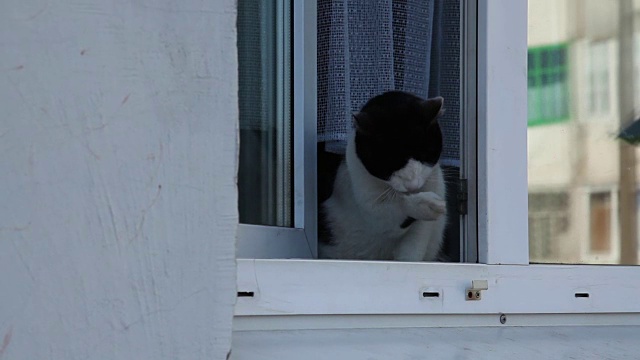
[(573, 153)]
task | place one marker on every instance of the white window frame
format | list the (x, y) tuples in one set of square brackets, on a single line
[(277, 294)]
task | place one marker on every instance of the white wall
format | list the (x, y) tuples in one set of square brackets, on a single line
[(550, 157), (549, 22), (470, 343), (117, 179)]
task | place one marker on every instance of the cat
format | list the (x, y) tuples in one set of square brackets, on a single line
[(387, 201)]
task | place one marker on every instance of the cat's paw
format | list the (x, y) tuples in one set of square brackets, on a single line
[(425, 206)]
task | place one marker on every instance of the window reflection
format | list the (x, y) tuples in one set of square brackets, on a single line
[(583, 73)]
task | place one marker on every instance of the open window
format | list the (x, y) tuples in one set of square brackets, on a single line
[(305, 67), (543, 187), (276, 178)]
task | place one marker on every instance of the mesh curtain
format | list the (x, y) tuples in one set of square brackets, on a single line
[(256, 56), (368, 47)]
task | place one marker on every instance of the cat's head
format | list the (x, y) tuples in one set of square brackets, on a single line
[(398, 139)]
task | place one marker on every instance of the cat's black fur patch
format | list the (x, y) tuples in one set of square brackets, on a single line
[(328, 164), (394, 127)]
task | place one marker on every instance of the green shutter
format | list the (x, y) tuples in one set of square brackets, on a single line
[(548, 84)]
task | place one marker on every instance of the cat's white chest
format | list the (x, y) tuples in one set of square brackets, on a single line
[(367, 224)]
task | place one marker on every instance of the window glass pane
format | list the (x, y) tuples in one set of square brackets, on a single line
[(582, 138), (264, 176), (366, 48)]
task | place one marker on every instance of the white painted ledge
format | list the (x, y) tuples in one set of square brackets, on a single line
[(605, 342)]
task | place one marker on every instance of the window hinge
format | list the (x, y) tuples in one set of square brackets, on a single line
[(463, 197)]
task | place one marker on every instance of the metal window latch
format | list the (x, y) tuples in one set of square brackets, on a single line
[(475, 292)]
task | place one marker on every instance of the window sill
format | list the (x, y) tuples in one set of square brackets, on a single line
[(323, 287)]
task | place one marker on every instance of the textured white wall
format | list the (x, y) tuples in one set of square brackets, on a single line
[(470, 343), (118, 206)]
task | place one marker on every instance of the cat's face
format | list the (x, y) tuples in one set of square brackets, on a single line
[(398, 139)]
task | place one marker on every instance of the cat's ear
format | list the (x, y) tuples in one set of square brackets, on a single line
[(432, 108), (361, 121)]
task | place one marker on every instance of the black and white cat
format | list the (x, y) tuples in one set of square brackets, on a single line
[(388, 195)]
